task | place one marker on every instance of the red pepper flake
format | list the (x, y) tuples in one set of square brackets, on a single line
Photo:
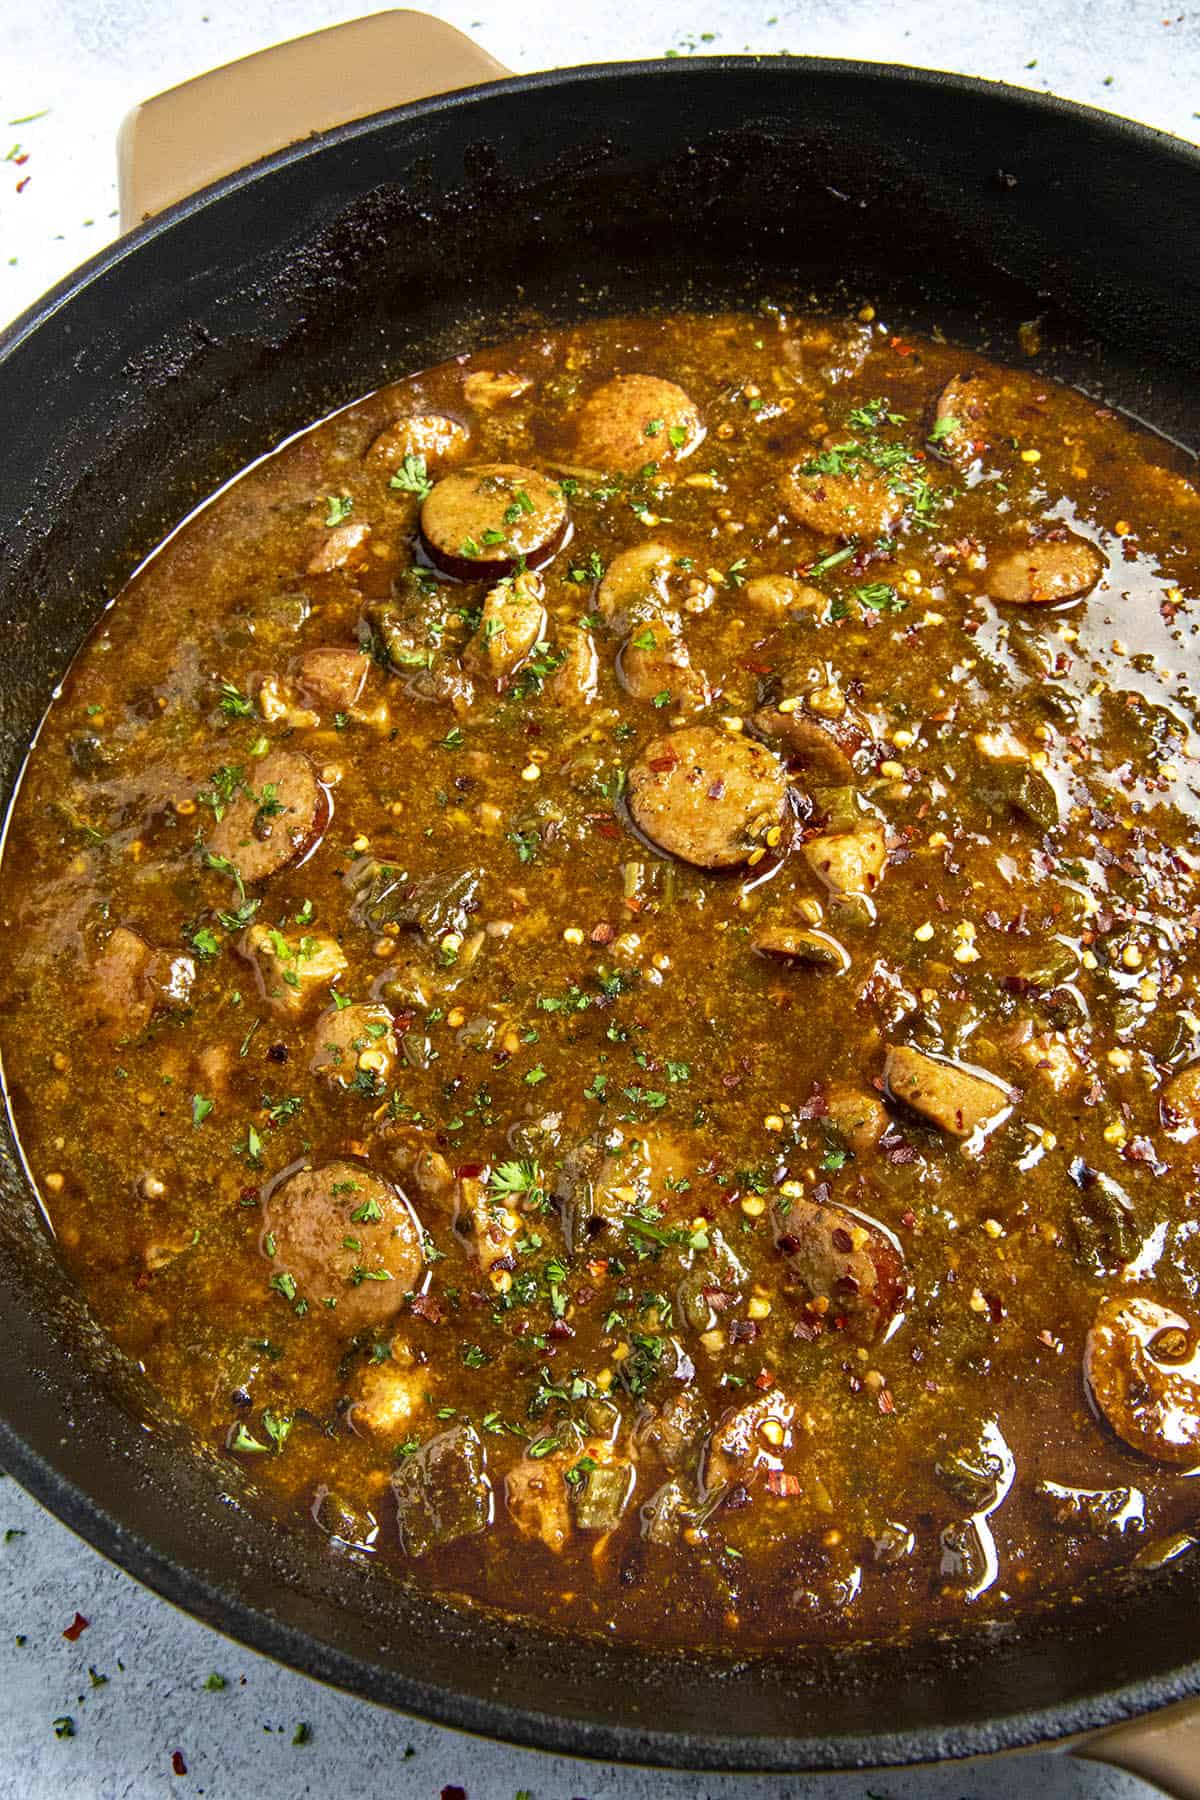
[(454, 1793), (886, 1403), (603, 933), (429, 1308), (717, 789), (908, 1218), (662, 765), (764, 1380), (900, 347), (177, 1762), (782, 1485), (76, 1628), (24, 183), (470, 1171), (608, 828)]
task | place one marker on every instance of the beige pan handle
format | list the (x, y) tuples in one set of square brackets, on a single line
[(1163, 1747), (194, 134)]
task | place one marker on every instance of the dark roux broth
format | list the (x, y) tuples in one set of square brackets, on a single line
[(602, 987)]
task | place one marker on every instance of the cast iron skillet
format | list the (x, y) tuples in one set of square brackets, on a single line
[(172, 359)]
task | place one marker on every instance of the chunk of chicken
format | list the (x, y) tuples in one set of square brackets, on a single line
[(292, 970)]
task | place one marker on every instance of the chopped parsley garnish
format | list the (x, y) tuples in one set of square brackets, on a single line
[(412, 477), (339, 506), (233, 702)]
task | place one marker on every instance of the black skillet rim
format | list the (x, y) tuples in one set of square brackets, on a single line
[(222, 1606)]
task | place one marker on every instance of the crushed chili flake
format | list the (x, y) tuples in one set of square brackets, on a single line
[(76, 1628), (782, 1485), (177, 1762)]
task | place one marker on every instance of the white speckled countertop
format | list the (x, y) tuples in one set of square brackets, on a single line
[(144, 1701)]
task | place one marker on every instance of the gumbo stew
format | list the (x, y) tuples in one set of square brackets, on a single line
[(599, 981)]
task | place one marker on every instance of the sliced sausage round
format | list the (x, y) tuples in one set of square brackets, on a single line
[(707, 796), (1046, 572), (433, 437), (1179, 1105), (486, 520), (354, 1045), (276, 816), (783, 594), (803, 947), (654, 665), (829, 750), (848, 1268), (842, 506), (1142, 1366), (636, 419), (345, 1236), (961, 417)]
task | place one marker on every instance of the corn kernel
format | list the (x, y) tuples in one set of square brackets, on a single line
[(376, 1060), (1120, 1059), (792, 1190), (732, 722), (604, 1380), (772, 1122), (965, 953), (772, 1430), (994, 1228), (892, 771), (661, 960), (904, 739), (755, 857), (754, 1206), (923, 933), (501, 1280), (713, 1341), (572, 935), (621, 1352), (451, 943), (938, 840), (977, 1303), (1031, 456), (1115, 1133), (1049, 1141), (530, 772), (1148, 989), (361, 843), (1089, 960), (790, 705), (1131, 957), (1122, 527), (774, 836), (456, 1017), (757, 1308), (54, 1181)]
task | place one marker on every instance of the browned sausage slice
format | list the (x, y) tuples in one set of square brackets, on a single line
[(829, 750), (654, 664), (636, 419), (798, 945), (707, 796), (344, 1235), (1142, 1365), (841, 506), (1179, 1104), (783, 594), (961, 417), (270, 824), (486, 520), (1046, 572), (354, 1045), (848, 1268), (957, 1099), (431, 436)]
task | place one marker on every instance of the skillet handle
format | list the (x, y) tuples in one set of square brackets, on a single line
[(1163, 1747), (216, 123)]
